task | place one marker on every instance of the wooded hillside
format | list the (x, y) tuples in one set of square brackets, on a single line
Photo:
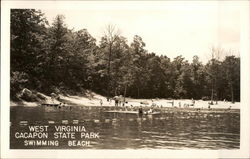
[(53, 58)]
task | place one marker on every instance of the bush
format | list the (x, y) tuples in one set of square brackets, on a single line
[(18, 80)]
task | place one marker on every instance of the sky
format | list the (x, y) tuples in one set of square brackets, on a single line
[(168, 28)]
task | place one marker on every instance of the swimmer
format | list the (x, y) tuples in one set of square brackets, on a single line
[(140, 111), (150, 111)]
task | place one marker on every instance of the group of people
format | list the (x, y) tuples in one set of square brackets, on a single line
[(118, 101), (187, 105), (142, 112), (62, 104)]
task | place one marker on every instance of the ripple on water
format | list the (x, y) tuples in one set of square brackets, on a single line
[(124, 131)]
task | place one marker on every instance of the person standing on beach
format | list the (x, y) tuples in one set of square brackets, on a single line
[(116, 102), (101, 102), (193, 102)]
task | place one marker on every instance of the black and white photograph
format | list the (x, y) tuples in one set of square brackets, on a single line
[(125, 76)]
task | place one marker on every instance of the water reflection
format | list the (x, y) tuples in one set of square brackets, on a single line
[(170, 130)]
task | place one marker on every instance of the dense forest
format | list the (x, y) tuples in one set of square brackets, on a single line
[(53, 58)]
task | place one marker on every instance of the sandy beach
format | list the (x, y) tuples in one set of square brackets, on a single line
[(95, 100)]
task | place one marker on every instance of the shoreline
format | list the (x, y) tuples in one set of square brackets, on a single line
[(95, 101)]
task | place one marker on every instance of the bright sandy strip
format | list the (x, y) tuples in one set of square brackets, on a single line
[(94, 100)]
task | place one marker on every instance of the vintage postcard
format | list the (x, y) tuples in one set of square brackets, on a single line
[(126, 79)]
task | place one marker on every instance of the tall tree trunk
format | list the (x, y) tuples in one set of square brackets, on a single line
[(125, 91), (232, 92), (138, 92), (109, 65), (212, 93), (115, 91)]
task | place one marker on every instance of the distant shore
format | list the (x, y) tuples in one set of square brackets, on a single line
[(96, 100)]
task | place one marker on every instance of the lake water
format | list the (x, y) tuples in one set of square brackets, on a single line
[(173, 128)]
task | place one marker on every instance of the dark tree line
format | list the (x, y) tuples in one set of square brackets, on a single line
[(57, 59)]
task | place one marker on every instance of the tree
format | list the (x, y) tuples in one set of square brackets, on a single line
[(49, 58), (125, 66), (110, 35), (231, 67), (158, 84), (177, 77), (119, 66), (140, 66), (213, 71), (57, 57), (27, 46), (198, 78)]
